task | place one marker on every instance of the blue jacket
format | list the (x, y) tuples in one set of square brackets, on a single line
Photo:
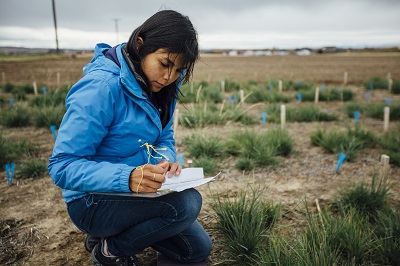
[(102, 137)]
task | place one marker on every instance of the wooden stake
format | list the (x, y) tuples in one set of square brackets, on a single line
[(283, 116), (384, 164), (386, 117), (390, 84), (345, 75), (58, 80), (241, 96), (280, 85), (316, 94), (176, 120), (35, 88)]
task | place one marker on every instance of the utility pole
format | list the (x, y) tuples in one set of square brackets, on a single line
[(55, 24), (116, 30)]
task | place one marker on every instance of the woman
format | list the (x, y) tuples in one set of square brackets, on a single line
[(116, 136)]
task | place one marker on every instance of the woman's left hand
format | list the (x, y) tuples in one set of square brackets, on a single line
[(173, 168)]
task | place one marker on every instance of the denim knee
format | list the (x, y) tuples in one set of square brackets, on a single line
[(191, 201)]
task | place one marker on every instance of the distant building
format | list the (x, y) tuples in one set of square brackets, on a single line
[(303, 52), (233, 53)]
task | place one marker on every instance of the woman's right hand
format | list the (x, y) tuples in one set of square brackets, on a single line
[(147, 178)]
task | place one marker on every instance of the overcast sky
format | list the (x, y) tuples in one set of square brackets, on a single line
[(227, 24)]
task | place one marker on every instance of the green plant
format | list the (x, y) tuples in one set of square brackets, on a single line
[(48, 115), (334, 94), (32, 168), (17, 116), (207, 163), (280, 139), (259, 149), (299, 114), (264, 95), (244, 164), (12, 151), (367, 200), (352, 107), (244, 222), (205, 114), (377, 111), (199, 145), (396, 87), (51, 98), (308, 114), (390, 142), (8, 87), (376, 83), (349, 142), (388, 233)]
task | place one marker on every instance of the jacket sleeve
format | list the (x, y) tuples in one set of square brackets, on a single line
[(167, 141), (90, 110)]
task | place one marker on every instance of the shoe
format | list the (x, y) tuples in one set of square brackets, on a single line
[(99, 259), (90, 242)]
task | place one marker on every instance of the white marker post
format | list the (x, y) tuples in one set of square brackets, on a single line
[(280, 86), (384, 165), (223, 86), (58, 80), (35, 88), (316, 94), (241, 96), (390, 84), (283, 116), (386, 117), (176, 120), (345, 75)]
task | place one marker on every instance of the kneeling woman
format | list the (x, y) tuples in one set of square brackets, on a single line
[(116, 136)]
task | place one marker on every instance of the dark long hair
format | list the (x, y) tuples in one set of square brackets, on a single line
[(172, 31)]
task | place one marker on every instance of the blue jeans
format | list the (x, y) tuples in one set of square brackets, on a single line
[(130, 224)]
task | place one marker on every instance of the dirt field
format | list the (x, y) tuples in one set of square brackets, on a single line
[(35, 211)]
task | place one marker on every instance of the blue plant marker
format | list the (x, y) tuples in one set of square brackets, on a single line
[(356, 116), (342, 157), (371, 86), (232, 99), (367, 95), (10, 170), (299, 96), (11, 102), (388, 101), (299, 81), (264, 117), (270, 87), (44, 89), (323, 86), (53, 131), (180, 159)]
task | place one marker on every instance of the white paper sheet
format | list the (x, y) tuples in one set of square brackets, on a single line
[(189, 177)]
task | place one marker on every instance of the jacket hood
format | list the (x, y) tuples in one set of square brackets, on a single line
[(101, 62)]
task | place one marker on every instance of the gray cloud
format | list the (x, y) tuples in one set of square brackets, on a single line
[(210, 17)]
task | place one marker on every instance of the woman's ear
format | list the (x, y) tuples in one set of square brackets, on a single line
[(139, 42)]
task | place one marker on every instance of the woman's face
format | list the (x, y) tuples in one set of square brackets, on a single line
[(162, 68)]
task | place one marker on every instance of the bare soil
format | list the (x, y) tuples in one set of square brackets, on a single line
[(35, 228)]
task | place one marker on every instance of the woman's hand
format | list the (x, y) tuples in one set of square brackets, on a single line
[(147, 178), (173, 168)]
